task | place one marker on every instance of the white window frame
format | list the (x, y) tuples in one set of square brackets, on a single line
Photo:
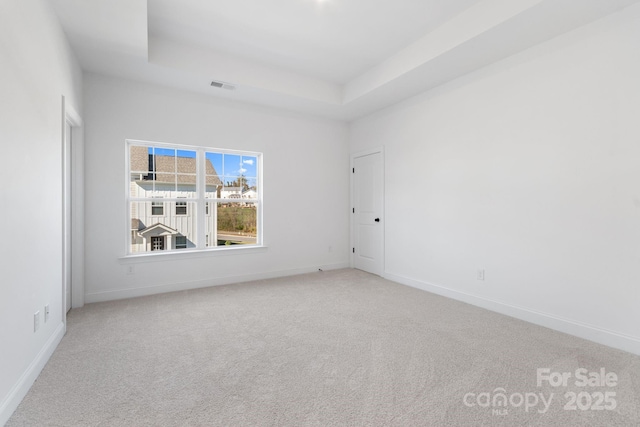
[(199, 202)]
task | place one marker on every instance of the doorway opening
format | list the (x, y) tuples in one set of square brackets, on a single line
[(72, 210)]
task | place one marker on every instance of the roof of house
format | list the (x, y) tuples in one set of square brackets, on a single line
[(136, 224), (169, 169), (156, 226)]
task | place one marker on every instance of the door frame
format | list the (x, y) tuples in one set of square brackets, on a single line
[(353, 157), (73, 172)]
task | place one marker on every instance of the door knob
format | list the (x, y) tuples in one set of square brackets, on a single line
[(377, 220)]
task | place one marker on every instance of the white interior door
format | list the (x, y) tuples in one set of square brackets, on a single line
[(66, 213), (368, 206)]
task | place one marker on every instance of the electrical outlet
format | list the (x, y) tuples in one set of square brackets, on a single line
[(46, 313), (480, 274), (36, 321), (130, 269)]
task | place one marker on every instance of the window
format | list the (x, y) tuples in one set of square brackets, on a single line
[(157, 208), (216, 194), (181, 208), (181, 242)]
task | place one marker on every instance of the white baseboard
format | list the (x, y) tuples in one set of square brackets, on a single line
[(215, 281), (593, 333), (20, 389)]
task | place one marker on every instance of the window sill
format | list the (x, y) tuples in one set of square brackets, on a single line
[(189, 254)]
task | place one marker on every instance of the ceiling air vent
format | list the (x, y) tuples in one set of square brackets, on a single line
[(222, 85)]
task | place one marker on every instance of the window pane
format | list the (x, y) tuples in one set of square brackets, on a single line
[(213, 171), (250, 189), (249, 166), (186, 162), (165, 182), (164, 160), (233, 187), (236, 224), (141, 170), (163, 163), (214, 163), (210, 224), (232, 164), (184, 154), (135, 189), (138, 160), (186, 186), (152, 230)]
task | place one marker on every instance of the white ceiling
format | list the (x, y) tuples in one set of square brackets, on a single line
[(332, 40), (335, 58)]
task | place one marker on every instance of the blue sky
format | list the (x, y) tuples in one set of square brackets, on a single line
[(233, 165), (228, 165)]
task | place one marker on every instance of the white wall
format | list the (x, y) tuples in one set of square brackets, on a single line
[(37, 69), (529, 169), (305, 186)]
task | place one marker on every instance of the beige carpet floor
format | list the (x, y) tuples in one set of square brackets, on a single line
[(338, 348)]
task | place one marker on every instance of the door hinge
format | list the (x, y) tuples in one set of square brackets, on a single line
[(353, 170), (353, 210), (354, 250)]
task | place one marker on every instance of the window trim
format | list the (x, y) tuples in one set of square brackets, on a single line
[(199, 202)]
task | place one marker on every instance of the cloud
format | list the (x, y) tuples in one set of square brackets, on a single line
[(242, 170), (248, 161)]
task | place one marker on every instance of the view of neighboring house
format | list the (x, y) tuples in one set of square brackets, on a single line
[(249, 194), (231, 193), (167, 223), (238, 193)]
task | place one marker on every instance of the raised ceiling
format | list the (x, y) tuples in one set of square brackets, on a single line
[(332, 40), (335, 58)]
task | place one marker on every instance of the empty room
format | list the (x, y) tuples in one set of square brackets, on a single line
[(320, 212)]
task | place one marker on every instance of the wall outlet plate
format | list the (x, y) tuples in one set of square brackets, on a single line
[(36, 321), (46, 313)]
